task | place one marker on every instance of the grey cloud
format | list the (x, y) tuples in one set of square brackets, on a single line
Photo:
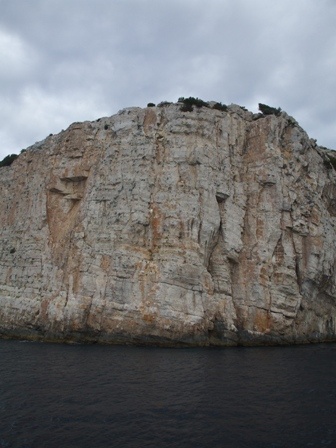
[(79, 59)]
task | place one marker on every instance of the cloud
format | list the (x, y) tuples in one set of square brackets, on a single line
[(70, 60), (16, 56)]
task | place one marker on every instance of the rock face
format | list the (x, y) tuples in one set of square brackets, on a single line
[(159, 226)]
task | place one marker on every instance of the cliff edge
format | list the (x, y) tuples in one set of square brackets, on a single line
[(171, 227)]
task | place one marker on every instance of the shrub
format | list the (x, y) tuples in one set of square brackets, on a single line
[(330, 162), (193, 101), (164, 103), (150, 105), (268, 110), (333, 162), (220, 106), (188, 103), (186, 107), (106, 126), (8, 160)]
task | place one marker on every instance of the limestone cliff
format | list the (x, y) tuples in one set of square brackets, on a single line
[(163, 226)]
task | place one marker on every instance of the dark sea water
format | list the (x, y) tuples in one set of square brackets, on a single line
[(89, 396)]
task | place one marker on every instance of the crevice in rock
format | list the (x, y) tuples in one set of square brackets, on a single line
[(70, 187), (218, 234), (278, 253), (329, 196), (221, 198), (73, 178), (210, 247), (156, 214), (220, 333), (298, 272)]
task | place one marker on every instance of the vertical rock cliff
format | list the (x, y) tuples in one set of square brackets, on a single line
[(155, 225)]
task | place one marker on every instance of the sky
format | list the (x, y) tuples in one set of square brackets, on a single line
[(63, 61)]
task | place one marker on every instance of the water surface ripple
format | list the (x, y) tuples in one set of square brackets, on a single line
[(87, 396)]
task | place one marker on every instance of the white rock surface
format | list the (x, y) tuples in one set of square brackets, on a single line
[(158, 226)]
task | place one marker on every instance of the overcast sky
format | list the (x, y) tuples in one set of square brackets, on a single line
[(72, 60)]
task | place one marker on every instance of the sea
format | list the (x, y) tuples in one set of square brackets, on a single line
[(91, 396)]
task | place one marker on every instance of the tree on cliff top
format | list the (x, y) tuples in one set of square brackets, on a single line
[(8, 160), (268, 110)]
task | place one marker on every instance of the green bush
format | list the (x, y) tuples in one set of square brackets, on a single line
[(330, 162), (268, 110), (333, 162), (8, 160), (189, 103), (186, 107), (164, 103), (220, 106), (150, 105)]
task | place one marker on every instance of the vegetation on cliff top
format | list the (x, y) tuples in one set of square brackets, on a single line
[(8, 160), (189, 103), (330, 162), (268, 110)]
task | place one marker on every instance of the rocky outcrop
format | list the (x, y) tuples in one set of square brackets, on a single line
[(160, 226)]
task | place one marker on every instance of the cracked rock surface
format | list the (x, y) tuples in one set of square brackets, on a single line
[(158, 226)]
